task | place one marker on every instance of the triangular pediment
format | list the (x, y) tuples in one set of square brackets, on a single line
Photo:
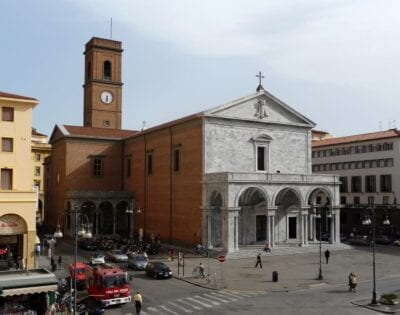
[(57, 133), (261, 107)]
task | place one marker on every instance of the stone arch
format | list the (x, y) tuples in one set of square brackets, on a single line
[(278, 197), (246, 194), (216, 202), (252, 228), (314, 191), (88, 208), (122, 218), (106, 218)]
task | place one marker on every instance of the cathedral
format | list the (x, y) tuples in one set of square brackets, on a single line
[(228, 177)]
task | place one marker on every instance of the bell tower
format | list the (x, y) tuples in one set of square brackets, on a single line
[(102, 100)]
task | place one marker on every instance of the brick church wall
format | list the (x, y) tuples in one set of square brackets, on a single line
[(170, 201)]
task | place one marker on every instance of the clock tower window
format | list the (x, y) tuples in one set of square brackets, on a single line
[(107, 70)]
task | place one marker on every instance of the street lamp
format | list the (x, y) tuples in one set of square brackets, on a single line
[(318, 215), (131, 212), (367, 221)]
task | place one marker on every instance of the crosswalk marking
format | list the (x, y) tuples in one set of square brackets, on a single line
[(188, 305), (207, 300), (168, 310), (224, 296), (199, 302), (180, 307), (191, 305), (216, 298)]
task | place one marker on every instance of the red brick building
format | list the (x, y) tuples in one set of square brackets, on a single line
[(233, 175)]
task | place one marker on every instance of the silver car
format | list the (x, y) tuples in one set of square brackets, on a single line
[(97, 258), (117, 255), (137, 261)]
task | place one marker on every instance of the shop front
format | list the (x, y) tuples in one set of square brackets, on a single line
[(15, 242), (27, 291)]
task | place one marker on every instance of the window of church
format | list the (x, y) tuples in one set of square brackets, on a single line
[(128, 167), (98, 167), (107, 70), (149, 164), (261, 162), (177, 158)]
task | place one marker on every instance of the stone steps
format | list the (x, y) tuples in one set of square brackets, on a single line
[(252, 250)]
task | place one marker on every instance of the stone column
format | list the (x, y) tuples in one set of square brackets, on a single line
[(311, 226), (304, 226), (230, 228), (335, 225), (271, 226)]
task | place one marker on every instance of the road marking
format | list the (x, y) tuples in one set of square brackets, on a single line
[(234, 295), (207, 300), (168, 310), (199, 302), (225, 296), (191, 305), (242, 294), (180, 307), (216, 298), (151, 309)]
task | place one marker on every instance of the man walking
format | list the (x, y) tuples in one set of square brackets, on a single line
[(258, 261), (327, 255), (137, 299)]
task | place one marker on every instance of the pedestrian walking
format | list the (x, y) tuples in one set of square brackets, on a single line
[(19, 263), (59, 261), (258, 261), (201, 270), (137, 299), (327, 255), (352, 282)]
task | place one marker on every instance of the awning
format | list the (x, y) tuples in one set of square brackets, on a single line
[(37, 240), (29, 290)]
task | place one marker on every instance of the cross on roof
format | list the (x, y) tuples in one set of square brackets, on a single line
[(260, 77)]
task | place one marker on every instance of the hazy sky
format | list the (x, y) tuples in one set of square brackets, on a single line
[(336, 62)]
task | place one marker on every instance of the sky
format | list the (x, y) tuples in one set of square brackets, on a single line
[(336, 62)]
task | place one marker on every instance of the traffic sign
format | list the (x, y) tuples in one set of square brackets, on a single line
[(221, 258)]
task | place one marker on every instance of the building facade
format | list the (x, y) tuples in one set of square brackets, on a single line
[(40, 150), (369, 169), (17, 197), (231, 176)]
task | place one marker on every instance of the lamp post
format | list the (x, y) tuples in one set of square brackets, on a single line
[(367, 221), (318, 216)]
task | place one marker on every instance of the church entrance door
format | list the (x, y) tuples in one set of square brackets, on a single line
[(292, 227), (261, 227)]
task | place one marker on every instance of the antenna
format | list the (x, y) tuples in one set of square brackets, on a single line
[(143, 124), (111, 29), (390, 124), (380, 125), (394, 124)]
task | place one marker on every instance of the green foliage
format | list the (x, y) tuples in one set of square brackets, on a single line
[(389, 296)]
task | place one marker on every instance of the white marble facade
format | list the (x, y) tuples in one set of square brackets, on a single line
[(257, 185)]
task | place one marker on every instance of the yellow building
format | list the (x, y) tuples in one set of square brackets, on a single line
[(17, 196), (40, 150)]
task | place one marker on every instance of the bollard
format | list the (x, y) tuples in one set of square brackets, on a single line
[(274, 276)]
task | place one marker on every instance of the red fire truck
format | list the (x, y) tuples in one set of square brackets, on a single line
[(80, 275), (108, 284)]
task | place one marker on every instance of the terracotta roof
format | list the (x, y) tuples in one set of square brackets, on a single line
[(99, 132), (391, 133), (36, 133), (9, 95)]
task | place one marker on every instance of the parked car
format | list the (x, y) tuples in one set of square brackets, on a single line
[(117, 255), (396, 243), (87, 244), (97, 258), (158, 270), (382, 239), (137, 262), (362, 240)]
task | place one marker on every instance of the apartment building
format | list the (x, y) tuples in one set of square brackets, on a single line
[(17, 197), (369, 169)]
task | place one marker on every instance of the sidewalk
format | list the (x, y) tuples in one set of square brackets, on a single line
[(296, 271)]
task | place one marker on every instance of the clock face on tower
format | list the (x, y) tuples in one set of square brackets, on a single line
[(106, 97)]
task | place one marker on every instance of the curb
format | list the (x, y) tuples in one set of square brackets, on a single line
[(373, 308)]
